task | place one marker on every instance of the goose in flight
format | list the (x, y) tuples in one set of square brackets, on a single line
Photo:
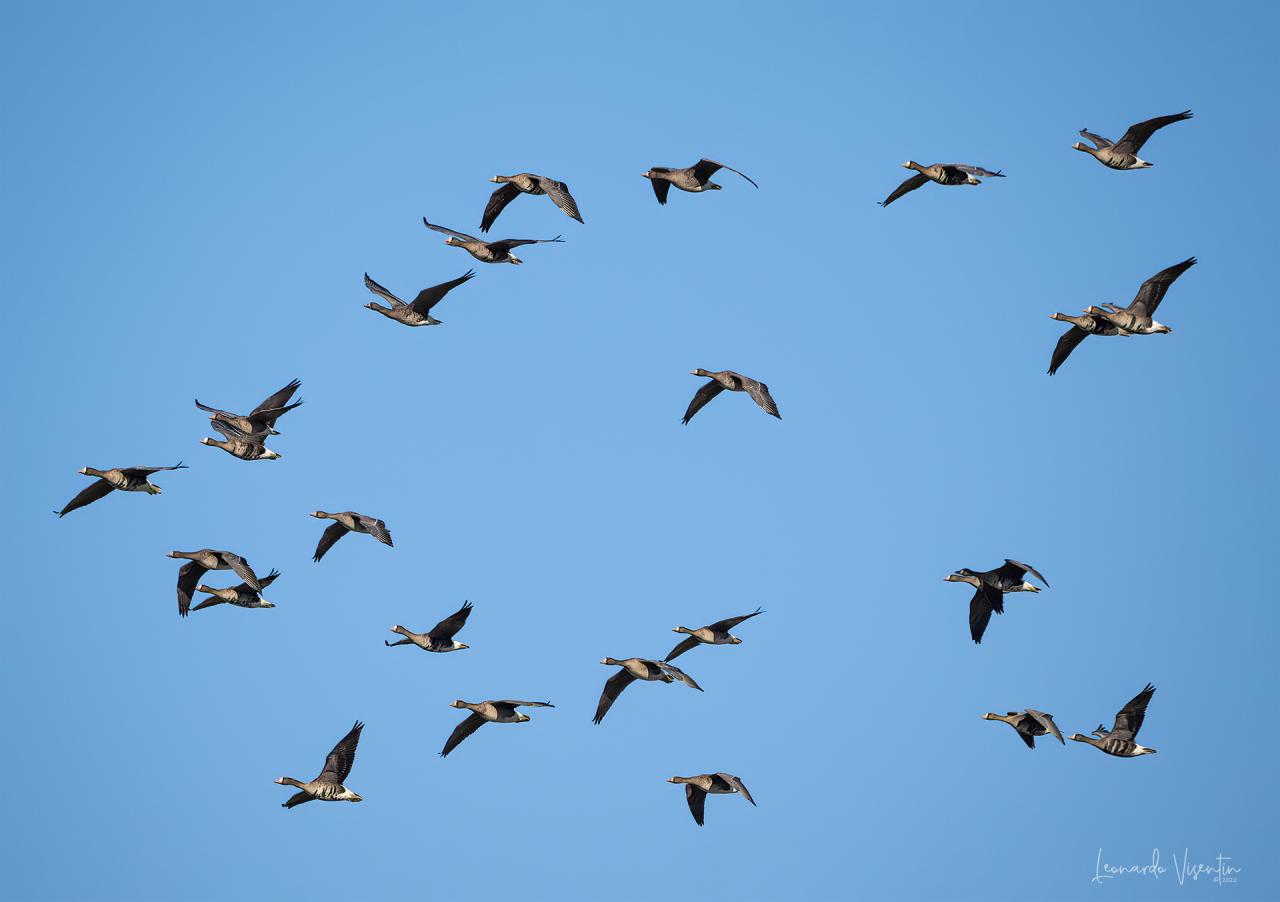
[(693, 179), (1120, 740), (244, 445), (124, 479), (943, 174), (990, 587), (1136, 319), (440, 638), (488, 251), (345, 522), (418, 311), (637, 669), (201, 562), (503, 711), (328, 786), (1123, 154), (697, 788), (1029, 724), (263, 417), (242, 595), (527, 183), (728, 379), (715, 634)]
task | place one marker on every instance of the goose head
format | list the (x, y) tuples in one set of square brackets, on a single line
[(648, 174), (1076, 737), (454, 242), (320, 515), (677, 779), (288, 781), (682, 629), (500, 178), (459, 703), (610, 661), (90, 471), (912, 164), (699, 372), (964, 575)]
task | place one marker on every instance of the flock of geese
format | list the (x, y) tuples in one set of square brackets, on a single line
[(245, 436)]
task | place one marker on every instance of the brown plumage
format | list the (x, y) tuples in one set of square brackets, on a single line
[(730, 381), (124, 479)]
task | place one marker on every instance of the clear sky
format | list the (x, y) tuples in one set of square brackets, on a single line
[(191, 198)]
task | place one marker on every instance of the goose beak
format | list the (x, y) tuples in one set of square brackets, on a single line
[(495, 179)]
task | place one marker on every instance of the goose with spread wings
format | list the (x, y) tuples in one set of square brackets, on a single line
[(263, 417), (201, 562), (1119, 741), (123, 479), (345, 522), (527, 183), (698, 787), (1123, 154), (440, 637), (1029, 724), (418, 311), (328, 787), (503, 711), (694, 179), (942, 174), (488, 251), (990, 587), (728, 380), (241, 444), (242, 595), (714, 634), (637, 669), (1110, 320)]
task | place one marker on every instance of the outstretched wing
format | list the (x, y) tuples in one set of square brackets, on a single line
[(278, 400), (759, 393), (519, 704), (507, 244), (443, 231), (338, 765), (738, 785), (498, 201), (1015, 570), (984, 601), (704, 169), (697, 800), (684, 646), (1066, 344), (382, 292), (1129, 720), (1046, 721), (147, 471), (188, 578), (730, 622), (560, 196), (1138, 134), (451, 624), (297, 799), (461, 732), (1099, 142), (1155, 288), (241, 568), (612, 689), (977, 170), (234, 433), (429, 297), (702, 398), (906, 187), (327, 538), (676, 673), (99, 489), (377, 529), (660, 188)]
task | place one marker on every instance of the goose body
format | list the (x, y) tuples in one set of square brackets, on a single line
[(990, 587), (714, 634), (728, 380), (941, 174), (488, 251), (527, 183), (637, 669), (697, 788), (1123, 154), (242, 595), (202, 561), (418, 311), (328, 787), (345, 522), (119, 479), (1120, 740), (694, 179), (440, 638), (503, 711), (241, 444), (1029, 724)]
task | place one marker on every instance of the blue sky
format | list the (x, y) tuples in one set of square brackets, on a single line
[(192, 196)]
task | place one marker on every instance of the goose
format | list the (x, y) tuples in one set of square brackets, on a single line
[(418, 311), (242, 595), (943, 174), (991, 586), (527, 183), (1120, 740), (1136, 319), (263, 417), (488, 251), (715, 634), (440, 638), (1029, 724), (728, 379), (503, 711), (696, 789), (1123, 154), (345, 522), (244, 445), (202, 561), (693, 179), (328, 786), (637, 669), (125, 479)]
